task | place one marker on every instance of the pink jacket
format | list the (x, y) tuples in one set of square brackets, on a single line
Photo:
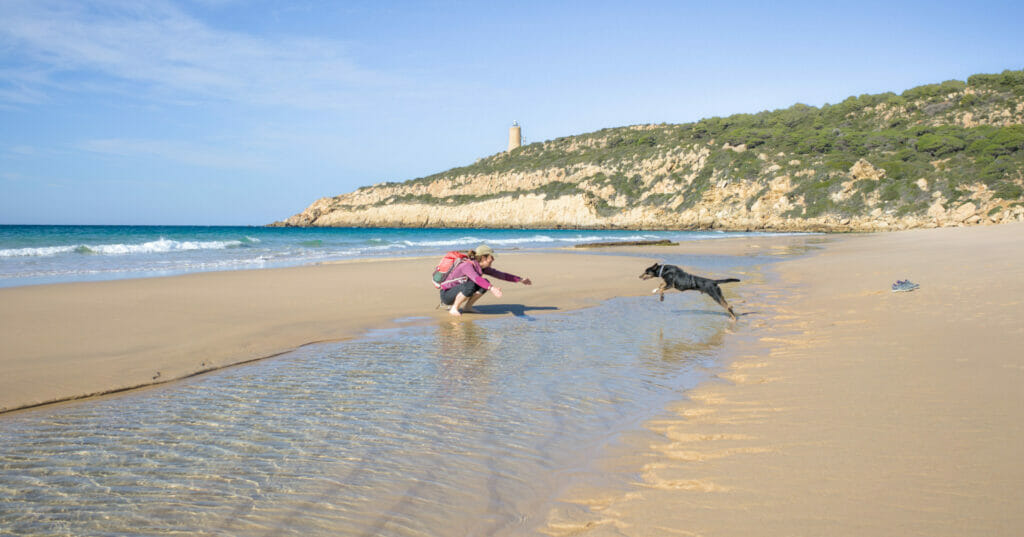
[(470, 270)]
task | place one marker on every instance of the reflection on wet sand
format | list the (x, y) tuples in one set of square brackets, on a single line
[(469, 426)]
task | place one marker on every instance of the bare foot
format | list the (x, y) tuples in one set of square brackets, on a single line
[(454, 312)]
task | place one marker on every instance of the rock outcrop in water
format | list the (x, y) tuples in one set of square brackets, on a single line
[(945, 154)]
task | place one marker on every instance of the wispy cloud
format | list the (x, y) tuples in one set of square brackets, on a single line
[(21, 151), (175, 151), (159, 50)]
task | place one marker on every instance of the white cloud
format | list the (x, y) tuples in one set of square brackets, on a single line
[(159, 50)]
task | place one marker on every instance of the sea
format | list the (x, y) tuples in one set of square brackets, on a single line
[(32, 255), (475, 426)]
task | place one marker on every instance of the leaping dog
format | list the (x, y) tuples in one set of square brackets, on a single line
[(678, 278)]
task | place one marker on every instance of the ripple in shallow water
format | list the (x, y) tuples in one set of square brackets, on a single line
[(464, 428)]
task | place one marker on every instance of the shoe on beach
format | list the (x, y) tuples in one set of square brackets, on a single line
[(903, 286)]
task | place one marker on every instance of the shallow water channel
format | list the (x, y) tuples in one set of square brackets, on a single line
[(461, 428)]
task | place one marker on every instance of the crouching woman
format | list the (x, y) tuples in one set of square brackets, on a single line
[(466, 283)]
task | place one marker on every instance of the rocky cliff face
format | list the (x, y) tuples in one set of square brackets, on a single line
[(912, 169), (733, 206)]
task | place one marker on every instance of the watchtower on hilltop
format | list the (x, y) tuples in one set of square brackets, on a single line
[(515, 136)]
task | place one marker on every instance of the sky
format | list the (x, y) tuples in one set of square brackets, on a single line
[(237, 112)]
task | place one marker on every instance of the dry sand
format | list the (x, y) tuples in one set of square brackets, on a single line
[(69, 341), (848, 409)]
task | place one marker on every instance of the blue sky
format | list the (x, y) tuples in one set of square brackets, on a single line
[(233, 112)]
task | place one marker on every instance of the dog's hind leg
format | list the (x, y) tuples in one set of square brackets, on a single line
[(717, 295)]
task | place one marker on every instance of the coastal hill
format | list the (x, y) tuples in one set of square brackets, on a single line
[(936, 155)]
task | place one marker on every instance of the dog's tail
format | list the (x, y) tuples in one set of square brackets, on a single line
[(727, 280)]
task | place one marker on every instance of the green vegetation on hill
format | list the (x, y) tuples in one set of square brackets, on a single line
[(954, 135)]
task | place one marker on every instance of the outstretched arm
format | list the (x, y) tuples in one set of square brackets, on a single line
[(506, 276)]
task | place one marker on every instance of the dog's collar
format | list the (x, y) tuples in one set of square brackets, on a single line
[(662, 269)]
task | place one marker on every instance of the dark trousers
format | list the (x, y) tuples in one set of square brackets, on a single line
[(466, 288)]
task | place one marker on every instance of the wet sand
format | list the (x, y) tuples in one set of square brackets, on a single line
[(847, 409), (68, 341)]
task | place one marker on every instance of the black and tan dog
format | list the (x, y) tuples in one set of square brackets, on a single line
[(675, 277)]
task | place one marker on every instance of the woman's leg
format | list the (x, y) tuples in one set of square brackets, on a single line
[(468, 307), (460, 299), (468, 293)]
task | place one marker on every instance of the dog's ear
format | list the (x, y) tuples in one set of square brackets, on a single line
[(652, 268)]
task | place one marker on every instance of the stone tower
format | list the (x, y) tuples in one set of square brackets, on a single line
[(515, 136)]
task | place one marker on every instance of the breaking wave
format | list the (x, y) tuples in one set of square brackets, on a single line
[(151, 247)]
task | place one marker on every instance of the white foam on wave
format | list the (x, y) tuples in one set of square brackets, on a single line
[(44, 251), (160, 267), (449, 242), (536, 239), (592, 238), (152, 247), (533, 239), (163, 246), (471, 240)]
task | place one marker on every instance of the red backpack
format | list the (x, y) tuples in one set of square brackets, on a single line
[(446, 266)]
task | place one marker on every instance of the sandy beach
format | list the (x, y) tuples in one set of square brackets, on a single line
[(848, 409), (842, 408), (68, 341)]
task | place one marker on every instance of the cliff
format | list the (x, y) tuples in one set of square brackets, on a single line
[(936, 155)]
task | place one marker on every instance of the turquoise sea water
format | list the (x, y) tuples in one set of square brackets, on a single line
[(50, 254)]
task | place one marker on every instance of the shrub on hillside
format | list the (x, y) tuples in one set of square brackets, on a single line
[(1010, 81), (929, 91), (938, 145)]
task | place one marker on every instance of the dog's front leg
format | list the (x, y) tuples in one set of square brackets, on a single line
[(661, 289)]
